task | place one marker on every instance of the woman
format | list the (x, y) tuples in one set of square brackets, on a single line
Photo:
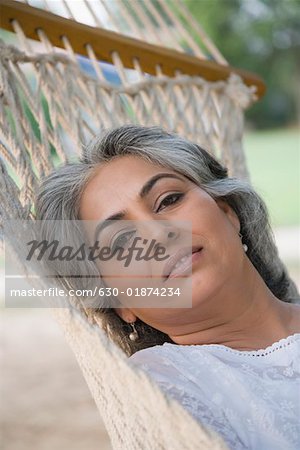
[(231, 357)]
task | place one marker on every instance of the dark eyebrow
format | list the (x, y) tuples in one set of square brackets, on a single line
[(150, 183), (143, 192)]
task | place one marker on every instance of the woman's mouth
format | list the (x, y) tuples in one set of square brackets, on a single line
[(180, 264)]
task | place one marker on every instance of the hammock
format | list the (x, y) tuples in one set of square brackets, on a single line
[(61, 81)]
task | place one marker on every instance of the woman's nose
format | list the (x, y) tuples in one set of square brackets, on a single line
[(161, 232)]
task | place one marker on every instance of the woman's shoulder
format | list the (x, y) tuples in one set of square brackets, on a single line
[(153, 355), (162, 362), (200, 355), (174, 361)]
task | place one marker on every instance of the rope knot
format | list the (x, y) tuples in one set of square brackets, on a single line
[(242, 95), (9, 52)]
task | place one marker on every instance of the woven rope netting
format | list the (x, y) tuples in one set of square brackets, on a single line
[(51, 103), (50, 106)]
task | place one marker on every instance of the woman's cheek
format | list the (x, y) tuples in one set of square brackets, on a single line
[(130, 280)]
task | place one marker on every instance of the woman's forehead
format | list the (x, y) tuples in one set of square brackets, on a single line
[(131, 167)]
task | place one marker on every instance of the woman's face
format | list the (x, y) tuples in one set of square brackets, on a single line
[(115, 187)]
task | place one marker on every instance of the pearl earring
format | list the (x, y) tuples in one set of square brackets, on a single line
[(245, 246), (133, 336)]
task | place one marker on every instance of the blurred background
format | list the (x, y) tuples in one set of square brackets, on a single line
[(45, 403)]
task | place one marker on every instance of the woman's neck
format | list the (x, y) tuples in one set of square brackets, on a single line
[(247, 317)]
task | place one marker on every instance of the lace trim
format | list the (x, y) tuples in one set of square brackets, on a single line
[(282, 343)]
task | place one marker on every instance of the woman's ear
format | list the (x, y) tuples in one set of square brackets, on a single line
[(126, 314), (230, 213)]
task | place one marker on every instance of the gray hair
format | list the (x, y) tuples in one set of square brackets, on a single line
[(59, 194)]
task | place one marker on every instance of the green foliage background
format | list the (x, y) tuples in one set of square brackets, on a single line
[(262, 36)]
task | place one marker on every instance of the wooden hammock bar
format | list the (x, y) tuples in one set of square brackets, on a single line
[(105, 43)]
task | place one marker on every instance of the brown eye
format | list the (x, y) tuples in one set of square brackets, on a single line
[(170, 200)]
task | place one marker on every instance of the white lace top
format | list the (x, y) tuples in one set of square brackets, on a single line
[(251, 398)]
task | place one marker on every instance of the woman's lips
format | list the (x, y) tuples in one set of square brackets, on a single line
[(181, 265)]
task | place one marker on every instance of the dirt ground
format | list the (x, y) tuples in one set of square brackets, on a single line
[(45, 402)]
